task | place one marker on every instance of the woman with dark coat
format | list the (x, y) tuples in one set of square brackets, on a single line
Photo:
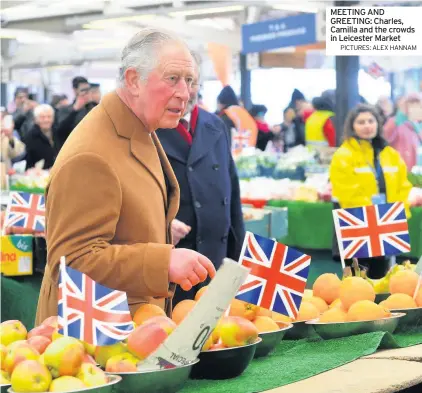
[(226, 99), (265, 134)]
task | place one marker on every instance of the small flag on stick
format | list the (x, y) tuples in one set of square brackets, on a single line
[(278, 275), (90, 311)]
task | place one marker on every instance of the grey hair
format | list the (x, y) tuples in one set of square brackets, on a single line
[(198, 62), (141, 51), (41, 109)]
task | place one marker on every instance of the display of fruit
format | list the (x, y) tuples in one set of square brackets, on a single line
[(31, 362)]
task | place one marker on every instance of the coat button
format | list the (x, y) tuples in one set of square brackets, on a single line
[(224, 239), (226, 201), (190, 169), (216, 167), (199, 240), (197, 205)]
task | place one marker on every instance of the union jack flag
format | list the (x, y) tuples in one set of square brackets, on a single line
[(278, 274), (26, 211), (90, 311), (372, 231), (241, 139)]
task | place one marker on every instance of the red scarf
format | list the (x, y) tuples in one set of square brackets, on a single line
[(262, 126), (183, 131)]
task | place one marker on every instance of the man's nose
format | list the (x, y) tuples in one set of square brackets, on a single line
[(183, 90)]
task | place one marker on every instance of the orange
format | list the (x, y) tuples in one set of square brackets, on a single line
[(404, 281), (354, 289), (182, 309), (239, 308), (399, 301), (265, 324), (327, 287), (307, 311), (318, 303), (147, 311), (365, 310), (333, 315)]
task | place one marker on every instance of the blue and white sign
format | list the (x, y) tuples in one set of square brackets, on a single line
[(281, 33)]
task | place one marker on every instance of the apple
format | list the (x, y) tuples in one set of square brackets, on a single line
[(30, 376), (145, 339), (92, 375), (64, 356), (41, 359), (18, 353), (89, 359), (217, 346), (11, 331), (3, 354), (66, 384), (51, 321), (125, 362), (237, 331), (4, 378), (40, 343), (102, 354), (56, 335), (42, 330), (208, 344), (165, 322)]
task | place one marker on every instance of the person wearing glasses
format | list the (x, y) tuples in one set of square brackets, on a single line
[(209, 219)]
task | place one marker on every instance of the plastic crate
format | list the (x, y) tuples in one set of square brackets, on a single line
[(272, 222)]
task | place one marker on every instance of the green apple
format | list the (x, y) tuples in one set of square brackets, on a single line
[(124, 362), (102, 354), (30, 376), (92, 375), (66, 384)]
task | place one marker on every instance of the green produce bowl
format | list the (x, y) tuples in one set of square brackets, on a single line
[(4, 388), (412, 320), (169, 380), (113, 381), (270, 340)]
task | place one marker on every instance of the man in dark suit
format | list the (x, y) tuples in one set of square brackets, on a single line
[(210, 218)]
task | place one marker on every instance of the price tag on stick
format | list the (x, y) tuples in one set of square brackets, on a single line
[(184, 344)]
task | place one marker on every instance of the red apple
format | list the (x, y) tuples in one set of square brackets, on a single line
[(42, 330), (19, 353), (40, 343), (91, 375), (165, 322), (123, 363), (30, 376), (51, 321), (145, 339), (89, 359)]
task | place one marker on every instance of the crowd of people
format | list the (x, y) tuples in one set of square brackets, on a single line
[(147, 179)]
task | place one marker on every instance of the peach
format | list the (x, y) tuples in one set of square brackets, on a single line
[(239, 308), (327, 287), (40, 343), (11, 331), (145, 339), (147, 311), (200, 293), (237, 331), (354, 289), (265, 324), (182, 309)]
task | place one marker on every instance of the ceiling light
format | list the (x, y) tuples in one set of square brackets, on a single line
[(205, 11), (296, 7), (103, 23)]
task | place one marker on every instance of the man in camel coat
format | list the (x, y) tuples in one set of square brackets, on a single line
[(112, 194)]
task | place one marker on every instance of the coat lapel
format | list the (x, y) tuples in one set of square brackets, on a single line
[(142, 145), (173, 144), (206, 135), (173, 204)]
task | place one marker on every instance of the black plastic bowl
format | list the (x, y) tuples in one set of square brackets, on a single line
[(224, 363)]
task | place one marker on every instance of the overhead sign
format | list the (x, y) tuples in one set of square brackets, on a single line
[(281, 33)]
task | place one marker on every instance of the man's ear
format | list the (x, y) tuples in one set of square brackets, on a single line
[(133, 82)]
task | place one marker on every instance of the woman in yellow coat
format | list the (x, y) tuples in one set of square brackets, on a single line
[(366, 171)]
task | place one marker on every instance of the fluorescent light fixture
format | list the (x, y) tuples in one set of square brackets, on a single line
[(205, 11), (103, 23), (296, 7), (104, 45)]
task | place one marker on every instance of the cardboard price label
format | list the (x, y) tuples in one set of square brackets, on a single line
[(184, 344)]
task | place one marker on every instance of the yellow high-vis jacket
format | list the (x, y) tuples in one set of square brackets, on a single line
[(353, 179)]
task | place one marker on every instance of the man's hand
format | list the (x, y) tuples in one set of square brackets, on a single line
[(188, 268), (179, 230), (81, 100)]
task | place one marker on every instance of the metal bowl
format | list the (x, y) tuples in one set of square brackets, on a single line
[(412, 321), (4, 387), (224, 363), (300, 330), (113, 381), (328, 331), (270, 340), (380, 297), (169, 380)]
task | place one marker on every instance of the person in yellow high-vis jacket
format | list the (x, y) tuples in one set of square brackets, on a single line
[(366, 171)]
